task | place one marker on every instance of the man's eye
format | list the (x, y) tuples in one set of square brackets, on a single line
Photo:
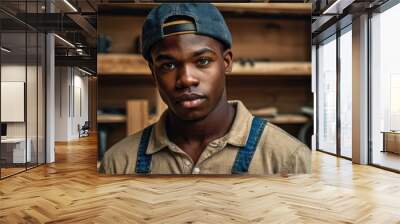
[(203, 61), (168, 66)]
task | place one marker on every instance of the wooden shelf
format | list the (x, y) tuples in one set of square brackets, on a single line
[(111, 118), (122, 64), (272, 69), (279, 119), (132, 64)]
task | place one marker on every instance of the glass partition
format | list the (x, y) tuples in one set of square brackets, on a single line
[(22, 77), (14, 151)]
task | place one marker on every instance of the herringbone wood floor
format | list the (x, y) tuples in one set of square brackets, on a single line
[(70, 191)]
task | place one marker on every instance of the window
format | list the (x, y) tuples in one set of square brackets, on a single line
[(327, 95), (346, 92), (385, 85)]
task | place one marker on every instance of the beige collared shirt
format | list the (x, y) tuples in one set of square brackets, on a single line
[(276, 152)]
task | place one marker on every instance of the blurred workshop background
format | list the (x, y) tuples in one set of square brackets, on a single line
[(271, 73)]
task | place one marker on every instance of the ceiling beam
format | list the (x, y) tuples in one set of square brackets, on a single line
[(84, 24), (75, 61)]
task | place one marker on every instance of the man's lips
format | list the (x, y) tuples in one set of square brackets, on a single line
[(190, 100), (192, 103)]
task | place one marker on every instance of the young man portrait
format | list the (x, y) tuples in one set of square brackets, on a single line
[(188, 50)]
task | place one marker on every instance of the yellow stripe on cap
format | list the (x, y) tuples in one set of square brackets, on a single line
[(176, 22), (182, 32)]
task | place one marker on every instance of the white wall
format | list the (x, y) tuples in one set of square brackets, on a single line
[(33, 105), (62, 81), (71, 87), (80, 84), (12, 101), (14, 73)]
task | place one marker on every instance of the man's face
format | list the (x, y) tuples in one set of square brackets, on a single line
[(189, 71)]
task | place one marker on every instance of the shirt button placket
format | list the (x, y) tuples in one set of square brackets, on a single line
[(188, 165), (214, 144), (187, 162)]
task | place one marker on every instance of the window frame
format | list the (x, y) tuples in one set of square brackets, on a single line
[(333, 37), (378, 10)]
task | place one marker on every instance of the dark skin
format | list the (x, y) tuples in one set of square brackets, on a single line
[(189, 71)]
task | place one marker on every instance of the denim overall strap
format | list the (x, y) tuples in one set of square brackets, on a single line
[(143, 161), (246, 153)]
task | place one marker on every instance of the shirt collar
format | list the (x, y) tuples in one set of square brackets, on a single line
[(236, 136)]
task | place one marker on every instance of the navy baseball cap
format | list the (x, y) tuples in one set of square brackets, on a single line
[(181, 18)]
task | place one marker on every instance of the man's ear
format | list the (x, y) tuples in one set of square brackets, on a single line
[(228, 60)]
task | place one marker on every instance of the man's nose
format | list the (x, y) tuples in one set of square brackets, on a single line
[(186, 77)]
